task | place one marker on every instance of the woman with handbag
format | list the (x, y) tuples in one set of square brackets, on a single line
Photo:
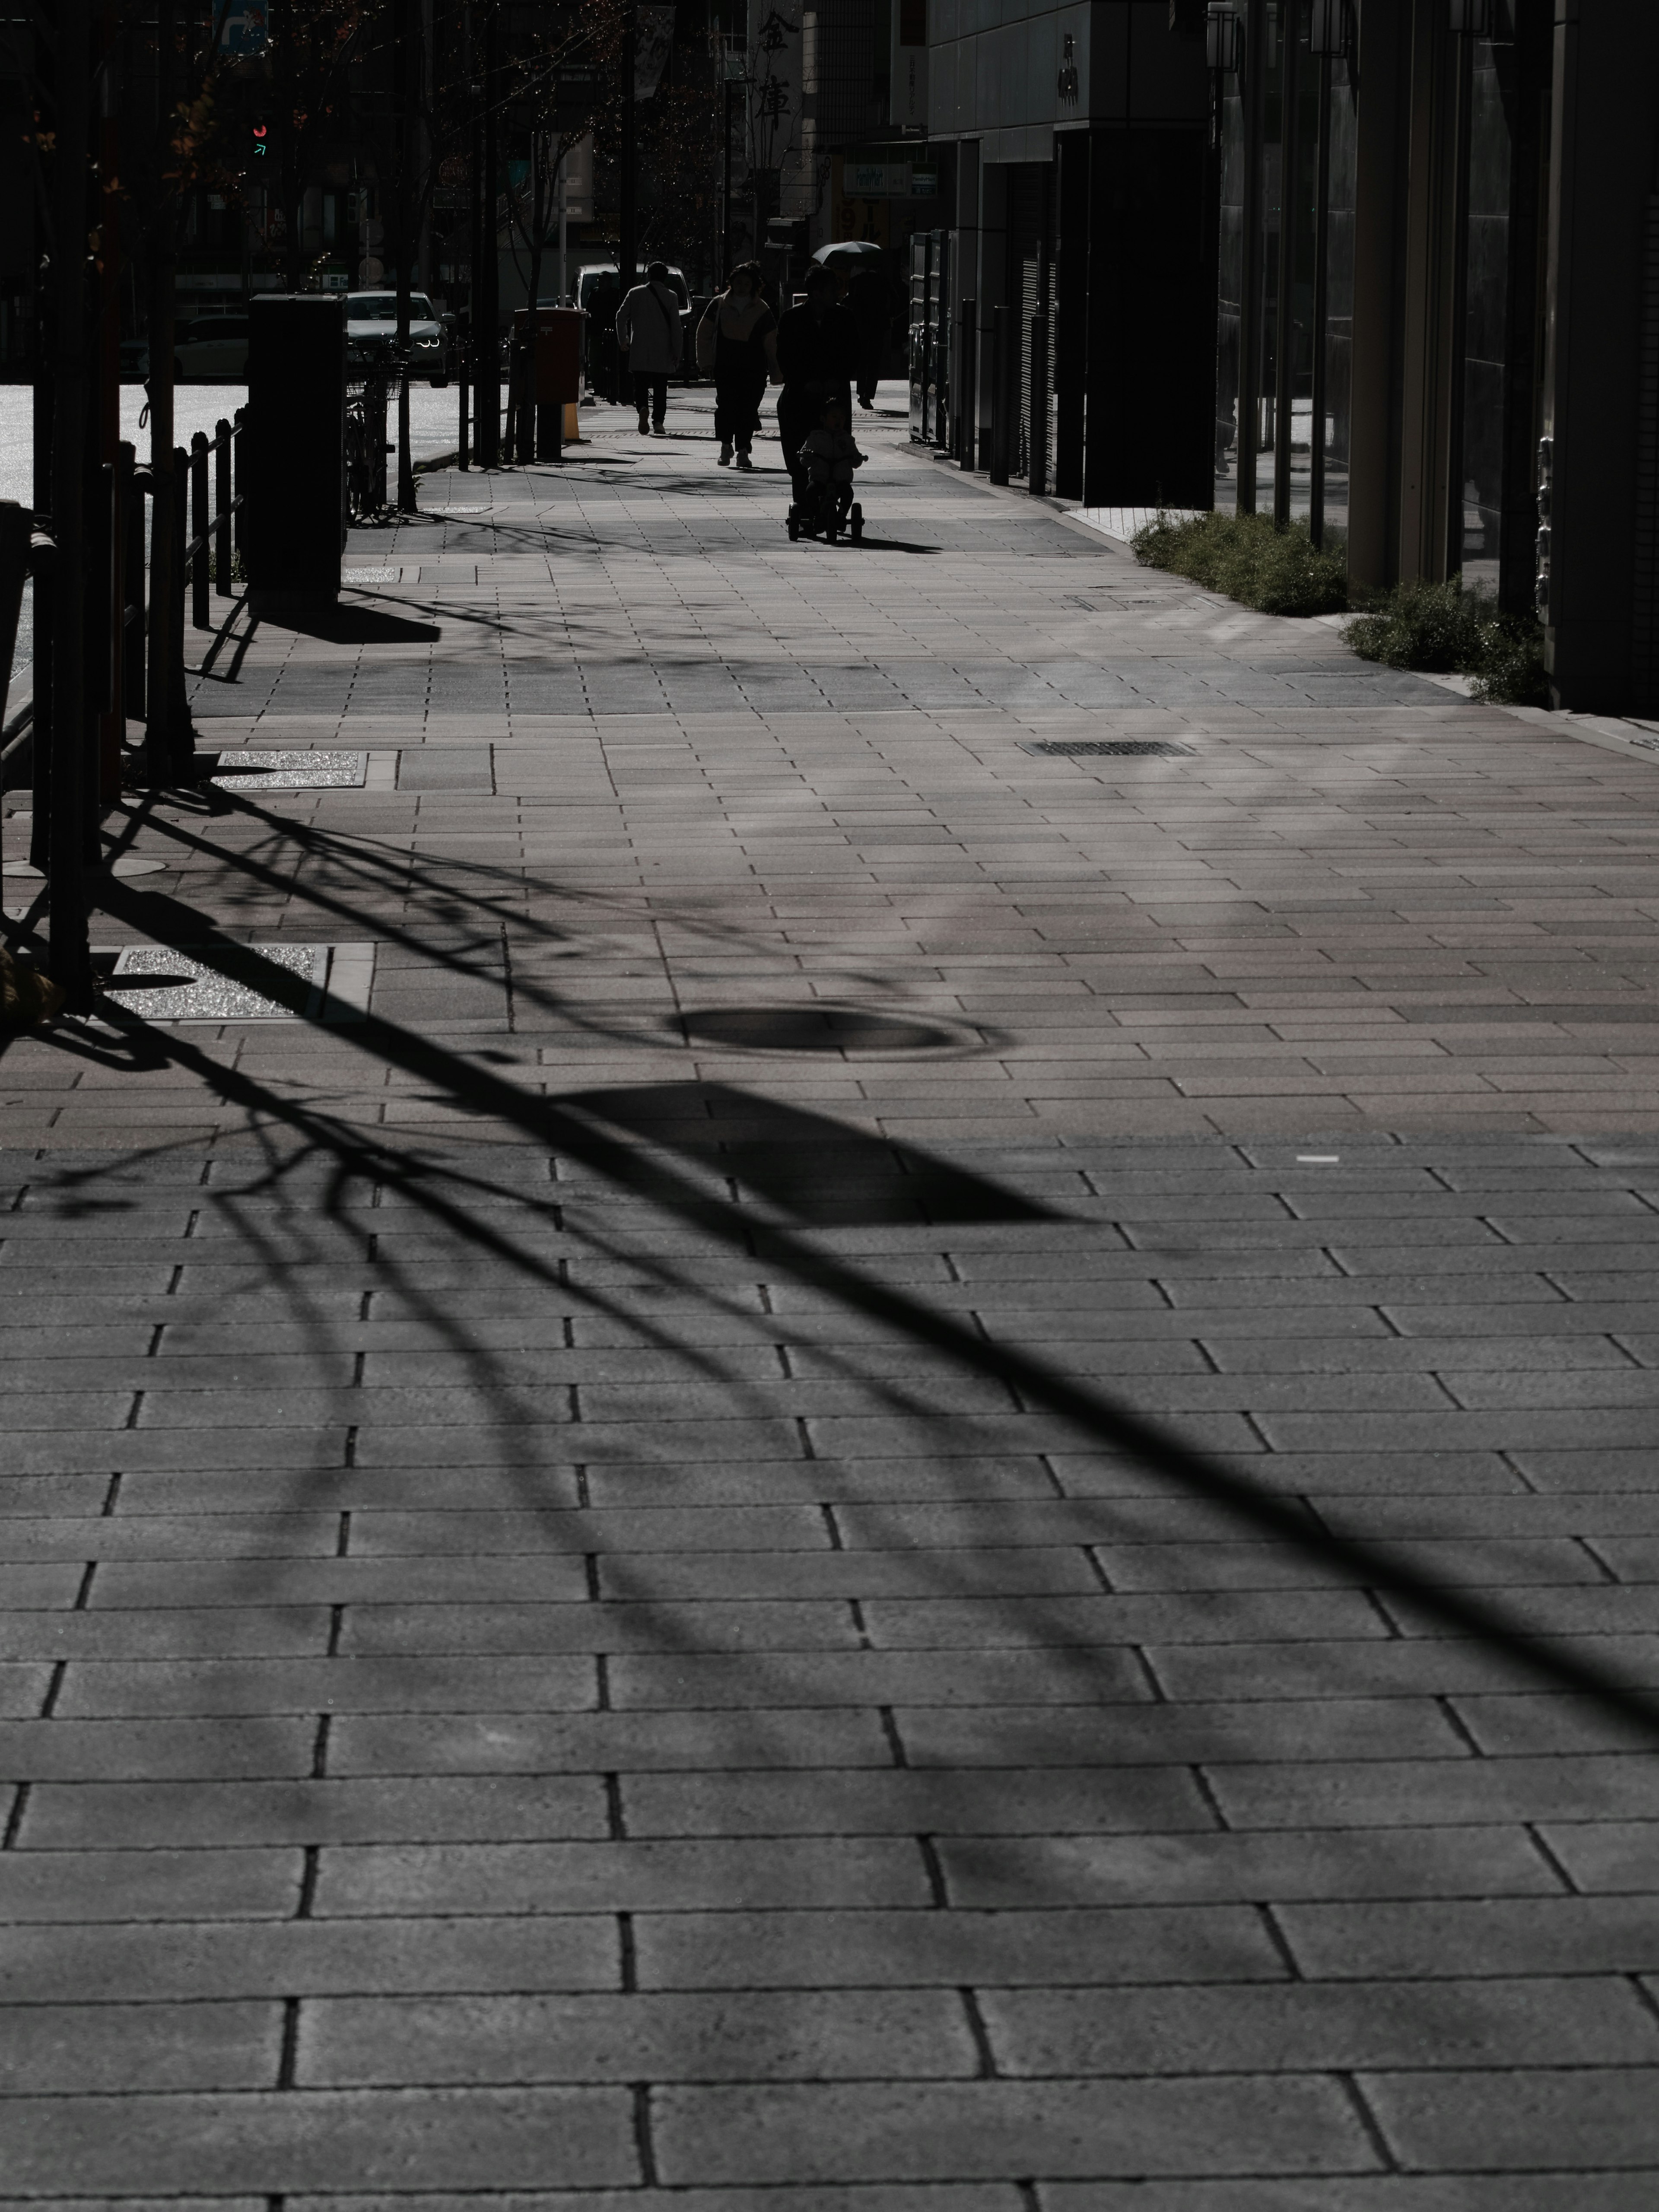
[(650, 333), (737, 344)]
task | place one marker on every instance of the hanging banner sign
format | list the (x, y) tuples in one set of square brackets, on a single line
[(654, 38), (240, 26)]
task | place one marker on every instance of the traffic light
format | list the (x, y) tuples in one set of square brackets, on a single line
[(259, 140)]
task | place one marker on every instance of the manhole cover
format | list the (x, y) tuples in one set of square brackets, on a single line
[(270, 770), (1067, 748), (371, 575)]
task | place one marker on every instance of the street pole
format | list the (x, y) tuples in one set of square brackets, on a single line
[(113, 711), (486, 287), (402, 49), (71, 964), (727, 89), (168, 737), (628, 245)]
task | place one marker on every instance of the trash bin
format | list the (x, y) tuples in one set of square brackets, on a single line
[(554, 349), (294, 469)]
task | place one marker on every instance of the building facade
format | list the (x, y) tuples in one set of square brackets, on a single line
[(1386, 268)]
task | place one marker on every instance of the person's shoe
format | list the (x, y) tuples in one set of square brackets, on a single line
[(645, 427), (724, 460), (744, 461), (660, 429), (868, 405)]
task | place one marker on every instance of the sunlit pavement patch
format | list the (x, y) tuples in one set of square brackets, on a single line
[(270, 770), (164, 984)]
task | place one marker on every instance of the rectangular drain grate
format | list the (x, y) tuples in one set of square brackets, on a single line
[(1148, 747), (268, 769)]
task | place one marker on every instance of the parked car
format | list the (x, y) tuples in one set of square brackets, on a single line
[(599, 273), (212, 348), (372, 332)]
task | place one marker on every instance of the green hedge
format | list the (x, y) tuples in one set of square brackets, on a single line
[(1434, 627), (1450, 626), (1280, 572)]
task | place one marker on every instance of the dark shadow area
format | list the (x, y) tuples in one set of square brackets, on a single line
[(869, 544), (812, 1028), (357, 625), (600, 1131), (808, 1166)]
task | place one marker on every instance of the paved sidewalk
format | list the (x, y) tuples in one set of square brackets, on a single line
[(590, 1619)]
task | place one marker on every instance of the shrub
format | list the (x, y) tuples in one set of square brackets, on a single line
[(1445, 627), (1278, 572)]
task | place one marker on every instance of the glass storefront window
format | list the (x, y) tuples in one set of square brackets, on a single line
[(1478, 516), (1230, 292), (1342, 144), (1272, 123)]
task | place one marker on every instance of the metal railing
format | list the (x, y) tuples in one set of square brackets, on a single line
[(208, 554), (366, 444)]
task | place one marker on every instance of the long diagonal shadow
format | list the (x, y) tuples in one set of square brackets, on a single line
[(582, 1126)]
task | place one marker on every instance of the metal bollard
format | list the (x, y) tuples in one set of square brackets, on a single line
[(1003, 389), (463, 443), (223, 438), (179, 748), (200, 613), (966, 426), (1036, 434), (137, 583)]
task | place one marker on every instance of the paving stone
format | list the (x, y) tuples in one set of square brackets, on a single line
[(221, 2143), (1355, 2027), (748, 2036), (1011, 1871), (645, 1875), (55, 2051), (191, 1962), (1235, 2127)]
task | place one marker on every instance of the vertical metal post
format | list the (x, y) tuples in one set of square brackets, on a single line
[(1037, 429), (133, 574), (1290, 163), (967, 380), (627, 221), (223, 437), (1252, 102), (64, 644), (168, 737), (1322, 306), (112, 719), (402, 48), (175, 609), (43, 569), (486, 283), (1002, 390), (463, 447), (727, 89), (200, 615)]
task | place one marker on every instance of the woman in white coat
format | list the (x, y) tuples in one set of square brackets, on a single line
[(649, 331)]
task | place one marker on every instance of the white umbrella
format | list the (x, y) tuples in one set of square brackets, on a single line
[(849, 249)]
